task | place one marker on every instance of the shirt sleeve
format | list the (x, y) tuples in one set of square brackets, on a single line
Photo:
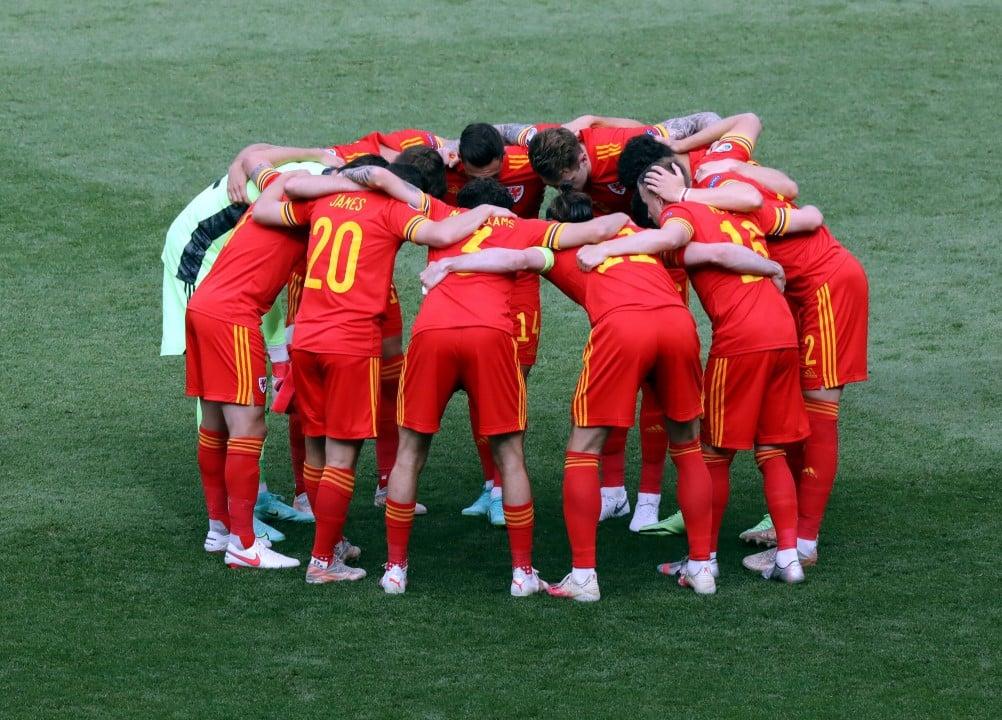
[(774, 219), (404, 220), (530, 131), (674, 258), (738, 147), (296, 213), (680, 215)]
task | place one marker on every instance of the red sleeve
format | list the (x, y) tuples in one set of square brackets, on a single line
[(530, 131), (674, 258), (296, 213), (400, 140), (403, 220), (266, 177), (738, 147), (679, 214), (365, 145), (773, 218), (535, 233), (439, 210)]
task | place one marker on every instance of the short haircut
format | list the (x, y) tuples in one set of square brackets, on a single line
[(640, 152), (432, 167), (480, 144), (480, 191), (570, 205), (667, 162), (639, 212), (408, 173), (553, 152)]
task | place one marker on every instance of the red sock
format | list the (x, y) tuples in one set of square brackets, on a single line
[(331, 510), (519, 519), (212, 468), (387, 433), (795, 458), (614, 459), (311, 480), (820, 466), (399, 521), (719, 467), (297, 451), (582, 505), (243, 472), (653, 446), (695, 497), (780, 495)]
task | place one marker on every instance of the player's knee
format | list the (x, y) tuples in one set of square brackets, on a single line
[(680, 433), (587, 439)]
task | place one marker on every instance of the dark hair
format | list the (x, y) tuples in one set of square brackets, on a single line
[(365, 160), (639, 212), (484, 190), (432, 167), (570, 206), (553, 152), (480, 144), (408, 173), (640, 152), (667, 162)]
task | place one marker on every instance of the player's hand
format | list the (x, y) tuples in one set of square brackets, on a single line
[(236, 182), (330, 158), (668, 184), (432, 275), (282, 391), (495, 211), (449, 156), (591, 256), (779, 278), (716, 166)]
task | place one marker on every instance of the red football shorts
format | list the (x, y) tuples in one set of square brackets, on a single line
[(223, 362), (483, 361), (625, 349), (833, 330), (526, 315), (392, 321), (337, 396), (754, 398)]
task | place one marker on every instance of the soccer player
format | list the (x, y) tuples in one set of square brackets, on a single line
[(336, 347), (225, 370), (751, 385), (193, 243), (462, 339), (828, 293)]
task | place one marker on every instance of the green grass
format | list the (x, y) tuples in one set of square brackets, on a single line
[(114, 114)]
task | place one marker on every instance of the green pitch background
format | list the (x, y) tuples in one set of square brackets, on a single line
[(114, 114)]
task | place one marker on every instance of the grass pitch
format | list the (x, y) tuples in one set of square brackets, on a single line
[(114, 114)]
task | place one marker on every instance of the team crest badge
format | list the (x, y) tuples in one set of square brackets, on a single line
[(618, 188), (262, 384), (516, 192)]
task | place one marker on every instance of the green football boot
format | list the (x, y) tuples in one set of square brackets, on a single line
[(671, 525), (763, 534)]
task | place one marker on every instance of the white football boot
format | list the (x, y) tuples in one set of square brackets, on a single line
[(615, 503), (646, 512), (345, 551), (524, 584), (216, 541), (586, 591), (394, 580), (257, 557), (319, 572)]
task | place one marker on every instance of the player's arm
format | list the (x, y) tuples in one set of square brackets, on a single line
[(270, 208), (778, 220), (733, 195), (571, 235), (682, 127), (253, 158), (451, 230), (736, 258), (511, 132), (492, 260), (771, 178), (366, 177), (745, 126), (589, 121), (647, 242)]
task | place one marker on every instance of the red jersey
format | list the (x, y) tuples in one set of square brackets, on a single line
[(516, 174), (809, 258), (398, 140), (604, 146), (736, 147), (354, 239), (567, 277), (250, 272), (748, 312), (481, 299)]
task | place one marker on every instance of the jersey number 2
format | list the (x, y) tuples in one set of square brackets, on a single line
[(322, 233)]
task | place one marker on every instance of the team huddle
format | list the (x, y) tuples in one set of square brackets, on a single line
[(641, 214)]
